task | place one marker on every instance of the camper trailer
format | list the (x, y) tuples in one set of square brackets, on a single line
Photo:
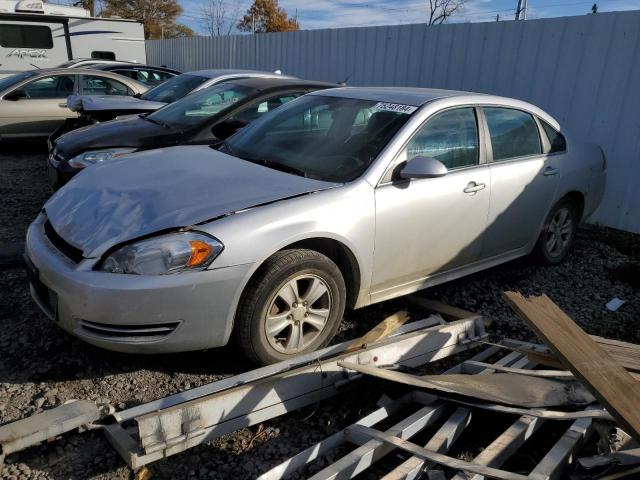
[(34, 34)]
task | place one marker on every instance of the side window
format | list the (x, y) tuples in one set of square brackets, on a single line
[(513, 133), (25, 36), (450, 136), (556, 139), (103, 55), (94, 85), (257, 109), (50, 87)]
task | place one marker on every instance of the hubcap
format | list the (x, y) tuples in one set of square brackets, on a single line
[(298, 313), (559, 232)]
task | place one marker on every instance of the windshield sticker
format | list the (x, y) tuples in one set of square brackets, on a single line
[(395, 107)]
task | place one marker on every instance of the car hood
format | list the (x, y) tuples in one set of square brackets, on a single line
[(98, 103), (158, 190), (126, 132)]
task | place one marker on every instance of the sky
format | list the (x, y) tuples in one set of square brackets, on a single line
[(313, 14)]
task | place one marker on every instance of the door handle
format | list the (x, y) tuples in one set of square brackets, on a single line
[(63, 105), (550, 171), (474, 187)]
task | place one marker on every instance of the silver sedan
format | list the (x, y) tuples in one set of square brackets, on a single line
[(340, 199), (34, 103)]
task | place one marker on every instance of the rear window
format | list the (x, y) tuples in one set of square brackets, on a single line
[(25, 36), (514, 133), (556, 139)]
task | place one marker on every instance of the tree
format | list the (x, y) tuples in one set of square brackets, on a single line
[(441, 10), (267, 16), (158, 16), (220, 18)]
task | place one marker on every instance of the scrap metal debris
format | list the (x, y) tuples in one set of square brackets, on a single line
[(586, 385)]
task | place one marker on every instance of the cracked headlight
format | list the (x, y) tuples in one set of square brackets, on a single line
[(172, 253), (89, 158)]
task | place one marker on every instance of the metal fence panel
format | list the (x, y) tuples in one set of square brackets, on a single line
[(583, 70)]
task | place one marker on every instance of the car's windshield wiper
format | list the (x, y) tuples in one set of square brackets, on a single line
[(153, 120), (276, 166)]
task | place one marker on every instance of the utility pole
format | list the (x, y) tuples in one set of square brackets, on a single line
[(521, 11)]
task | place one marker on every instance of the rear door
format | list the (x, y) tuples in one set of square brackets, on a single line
[(42, 109), (523, 180), (26, 45)]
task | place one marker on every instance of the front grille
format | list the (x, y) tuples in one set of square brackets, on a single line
[(140, 333), (73, 253)]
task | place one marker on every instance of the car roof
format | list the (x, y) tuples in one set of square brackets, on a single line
[(221, 72), (264, 83), (108, 66), (404, 95)]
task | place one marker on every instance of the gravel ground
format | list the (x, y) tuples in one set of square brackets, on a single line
[(41, 366)]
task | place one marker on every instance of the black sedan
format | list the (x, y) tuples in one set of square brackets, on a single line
[(146, 74), (204, 117)]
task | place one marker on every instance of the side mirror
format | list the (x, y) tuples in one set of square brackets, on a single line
[(15, 95), (423, 167), (224, 130)]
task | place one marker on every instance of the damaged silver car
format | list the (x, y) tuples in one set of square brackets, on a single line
[(339, 199)]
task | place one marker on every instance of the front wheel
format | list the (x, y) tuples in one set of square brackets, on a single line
[(558, 233), (293, 305)]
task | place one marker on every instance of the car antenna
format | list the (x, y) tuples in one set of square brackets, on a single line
[(35, 66), (344, 82)]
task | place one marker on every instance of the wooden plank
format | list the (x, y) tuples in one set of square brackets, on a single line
[(553, 463), (505, 388), (443, 309), (607, 380), (441, 441), (380, 331), (520, 371), (434, 457)]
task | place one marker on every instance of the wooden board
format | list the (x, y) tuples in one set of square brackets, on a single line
[(380, 331), (443, 309), (616, 389), (506, 388)]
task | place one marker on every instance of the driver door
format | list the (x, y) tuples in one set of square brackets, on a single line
[(42, 110), (427, 227)]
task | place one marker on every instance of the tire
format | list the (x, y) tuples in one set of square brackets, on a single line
[(558, 233), (276, 320)]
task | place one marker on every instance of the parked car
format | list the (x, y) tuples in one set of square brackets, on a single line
[(204, 117), (341, 198), (93, 109), (147, 74), (34, 103)]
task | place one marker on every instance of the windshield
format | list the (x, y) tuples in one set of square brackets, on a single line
[(13, 79), (198, 107), (326, 138), (174, 89)]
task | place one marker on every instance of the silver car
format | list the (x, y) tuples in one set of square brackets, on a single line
[(34, 103), (339, 199)]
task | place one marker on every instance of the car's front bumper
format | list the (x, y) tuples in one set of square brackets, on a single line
[(132, 313)]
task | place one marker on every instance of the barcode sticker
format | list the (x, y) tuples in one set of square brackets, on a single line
[(395, 107)]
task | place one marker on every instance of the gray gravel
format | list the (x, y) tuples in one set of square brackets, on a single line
[(41, 366)]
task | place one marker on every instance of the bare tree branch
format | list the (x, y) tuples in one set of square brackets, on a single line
[(219, 17), (441, 10)]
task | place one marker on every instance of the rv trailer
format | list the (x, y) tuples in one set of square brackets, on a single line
[(34, 34)]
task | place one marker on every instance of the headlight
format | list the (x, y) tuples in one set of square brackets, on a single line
[(175, 252), (89, 158)]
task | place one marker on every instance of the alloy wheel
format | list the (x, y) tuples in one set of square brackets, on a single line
[(298, 313), (559, 232)]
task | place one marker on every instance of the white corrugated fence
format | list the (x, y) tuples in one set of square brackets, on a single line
[(583, 70)]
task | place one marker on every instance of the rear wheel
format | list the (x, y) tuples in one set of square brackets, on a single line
[(558, 233), (292, 306)]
